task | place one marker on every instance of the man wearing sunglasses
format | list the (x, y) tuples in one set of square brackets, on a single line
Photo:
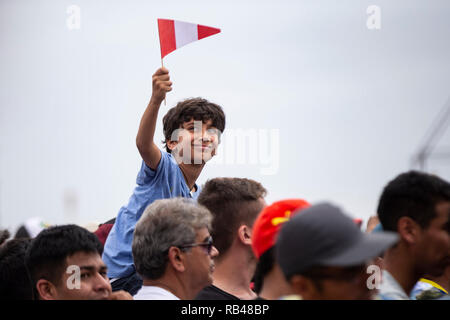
[(173, 250)]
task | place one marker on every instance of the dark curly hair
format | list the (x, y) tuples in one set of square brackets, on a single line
[(413, 194), (194, 108), (47, 253)]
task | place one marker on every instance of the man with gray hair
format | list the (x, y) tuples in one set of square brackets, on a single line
[(173, 250)]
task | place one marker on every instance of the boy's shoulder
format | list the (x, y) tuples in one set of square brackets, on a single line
[(167, 165)]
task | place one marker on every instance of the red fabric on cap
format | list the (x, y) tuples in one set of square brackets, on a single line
[(269, 221), (358, 222)]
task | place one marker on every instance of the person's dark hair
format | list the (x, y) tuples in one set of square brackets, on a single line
[(311, 275), (265, 264), (233, 202), (15, 283), (413, 194), (22, 233), (4, 235), (46, 256), (195, 108)]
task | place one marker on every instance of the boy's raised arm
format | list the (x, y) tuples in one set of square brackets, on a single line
[(148, 149)]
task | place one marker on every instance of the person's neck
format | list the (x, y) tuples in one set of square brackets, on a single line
[(274, 285), (234, 273), (400, 264), (191, 172)]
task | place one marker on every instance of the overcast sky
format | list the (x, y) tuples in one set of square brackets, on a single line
[(331, 109)]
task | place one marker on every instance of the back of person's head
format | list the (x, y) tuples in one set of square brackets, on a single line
[(22, 233), (4, 235), (413, 194), (46, 256), (195, 108), (233, 202), (266, 262), (165, 223), (15, 283), (31, 228), (265, 232)]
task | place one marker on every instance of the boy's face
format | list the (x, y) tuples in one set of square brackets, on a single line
[(197, 142)]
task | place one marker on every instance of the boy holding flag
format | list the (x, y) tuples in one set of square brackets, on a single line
[(192, 130)]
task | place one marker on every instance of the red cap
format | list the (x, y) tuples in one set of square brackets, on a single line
[(269, 221), (358, 222)]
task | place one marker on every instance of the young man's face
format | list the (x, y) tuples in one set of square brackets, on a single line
[(434, 246), (93, 281), (197, 142)]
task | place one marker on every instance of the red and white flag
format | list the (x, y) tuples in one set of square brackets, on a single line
[(174, 34)]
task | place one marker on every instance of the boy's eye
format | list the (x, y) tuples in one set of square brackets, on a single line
[(85, 275), (215, 132)]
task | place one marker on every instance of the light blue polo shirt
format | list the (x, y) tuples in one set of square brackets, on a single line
[(167, 181)]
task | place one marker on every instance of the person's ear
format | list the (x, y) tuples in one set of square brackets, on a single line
[(245, 234), (408, 229), (177, 259), (46, 290), (302, 286), (171, 144)]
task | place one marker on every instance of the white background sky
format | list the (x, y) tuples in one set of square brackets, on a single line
[(351, 105)]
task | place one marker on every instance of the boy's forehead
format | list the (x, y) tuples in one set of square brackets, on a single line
[(192, 121)]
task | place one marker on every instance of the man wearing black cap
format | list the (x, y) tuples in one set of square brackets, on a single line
[(323, 254)]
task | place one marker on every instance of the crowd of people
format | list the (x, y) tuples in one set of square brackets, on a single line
[(175, 240)]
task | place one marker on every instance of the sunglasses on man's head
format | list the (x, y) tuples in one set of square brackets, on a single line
[(208, 245)]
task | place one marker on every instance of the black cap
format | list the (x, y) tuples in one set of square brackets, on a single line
[(322, 235)]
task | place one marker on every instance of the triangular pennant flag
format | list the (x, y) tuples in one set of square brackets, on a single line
[(174, 34)]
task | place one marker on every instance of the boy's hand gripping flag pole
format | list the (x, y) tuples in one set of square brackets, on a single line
[(174, 34)]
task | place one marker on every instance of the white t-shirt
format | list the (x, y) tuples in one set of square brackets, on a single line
[(390, 289), (154, 293)]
